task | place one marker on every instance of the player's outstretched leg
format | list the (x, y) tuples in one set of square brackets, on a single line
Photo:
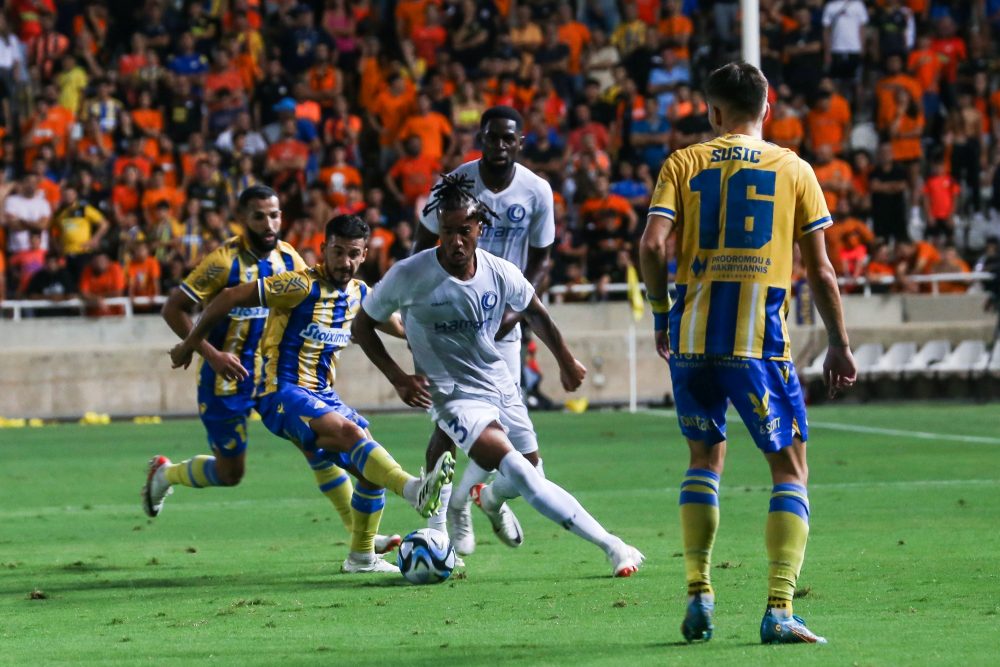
[(367, 504), (550, 500), (199, 472)]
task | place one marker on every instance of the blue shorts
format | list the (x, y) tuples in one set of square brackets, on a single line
[(288, 411), (766, 393), (225, 420)]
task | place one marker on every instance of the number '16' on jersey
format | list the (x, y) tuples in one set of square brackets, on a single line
[(739, 204)]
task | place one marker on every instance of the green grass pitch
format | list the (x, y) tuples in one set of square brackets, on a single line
[(901, 567)]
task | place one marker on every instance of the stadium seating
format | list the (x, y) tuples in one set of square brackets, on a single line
[(891, 364), (994, 365), (930, 354), (969, 359)]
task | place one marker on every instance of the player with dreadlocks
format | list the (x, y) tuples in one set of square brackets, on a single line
[(522, 231), (452, 299)]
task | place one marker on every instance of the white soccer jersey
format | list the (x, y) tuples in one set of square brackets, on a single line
[(450, 323), (525, 210)]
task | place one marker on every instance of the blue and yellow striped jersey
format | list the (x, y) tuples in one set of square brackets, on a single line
[(310, 324), (739, 204), (227, 266)]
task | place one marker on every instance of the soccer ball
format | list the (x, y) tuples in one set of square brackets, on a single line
[(426, 557)]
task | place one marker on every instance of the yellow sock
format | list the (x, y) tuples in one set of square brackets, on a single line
[(786, 535), (197, 473), (699, 503), (336, 485), (366, 510), (378, 466)]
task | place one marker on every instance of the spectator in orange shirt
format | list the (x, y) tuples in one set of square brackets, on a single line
[(102, 279), (430, 38), (844, 225), (905, 132), (433, 129), (132, 158), (853, 257), (885, 91), (925, 65), (833, 174), (940, 196), (573, 34), (392, 106), (156, 191), (287, 158), (525, 33), (411, 177), (125, 195), (825, 127), (143, 272), (785, 127), (950, 262), (338, 175), (146, 117), (410, 15), (676, 29), (879, 268), (324, 80)]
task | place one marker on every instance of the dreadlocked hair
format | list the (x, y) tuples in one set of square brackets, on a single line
[(455, 193)]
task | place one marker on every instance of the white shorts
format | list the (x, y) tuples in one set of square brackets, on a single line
[(510, 350), (465, 419)]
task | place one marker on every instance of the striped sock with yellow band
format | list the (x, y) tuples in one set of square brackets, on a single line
[(786, 535), (366, 511), (334, 483), (699, 503), (378, 466), (197, 472)]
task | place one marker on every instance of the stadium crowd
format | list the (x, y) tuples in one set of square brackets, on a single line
[(128, 128)]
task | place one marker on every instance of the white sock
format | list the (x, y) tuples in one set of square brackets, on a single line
[(473, 474), (438, 520), (411, 489), (503, 489), (362, 558), (554, 502)]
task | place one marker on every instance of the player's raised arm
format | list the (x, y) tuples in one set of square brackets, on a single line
[(571, 371), (245, 296), (411, 388)]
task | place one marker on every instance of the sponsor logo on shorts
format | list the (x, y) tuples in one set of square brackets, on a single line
[(489, 300), (460, 325), (696, 422), (770, 427), (761, 406), (326, 335), (257, 313)]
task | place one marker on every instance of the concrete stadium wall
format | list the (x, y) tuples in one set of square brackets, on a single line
[(62, 368)]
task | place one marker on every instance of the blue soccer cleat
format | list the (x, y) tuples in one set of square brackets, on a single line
[(777, 630), (697, 623)]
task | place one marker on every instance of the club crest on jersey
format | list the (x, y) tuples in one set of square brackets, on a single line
[(698, 267), (489, 300), (516, 213), (249, 274)]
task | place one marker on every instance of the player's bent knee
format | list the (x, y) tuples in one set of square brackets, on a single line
[(229, 474), (336, 432), (491, 447)]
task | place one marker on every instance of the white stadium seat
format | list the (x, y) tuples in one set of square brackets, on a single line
[(892, 362), (814, 371), (994, 364), (930, 354), (970, 356), (866, 356)]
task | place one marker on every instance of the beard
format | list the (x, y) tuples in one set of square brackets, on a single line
[(260, 243)]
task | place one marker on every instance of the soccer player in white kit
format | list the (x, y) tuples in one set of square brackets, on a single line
[(523, 234), (452, 299)]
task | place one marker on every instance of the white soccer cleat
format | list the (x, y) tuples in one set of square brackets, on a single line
[(625, 560), (157, 488), (505, 525), (386, 543), (460, 532), (427, 499), (363, 566)]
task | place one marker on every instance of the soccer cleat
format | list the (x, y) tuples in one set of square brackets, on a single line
[(460, 530), (375, 565), (428, 497), (505, 525), (386, 543), (697, 623), (156, 489), (777, 630), (625, 560)]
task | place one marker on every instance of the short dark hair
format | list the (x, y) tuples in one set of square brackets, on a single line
[(347, 227), (503, 113), (252, 193), (739, 87)]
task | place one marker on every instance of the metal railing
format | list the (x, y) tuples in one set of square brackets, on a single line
[(17, 307)]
